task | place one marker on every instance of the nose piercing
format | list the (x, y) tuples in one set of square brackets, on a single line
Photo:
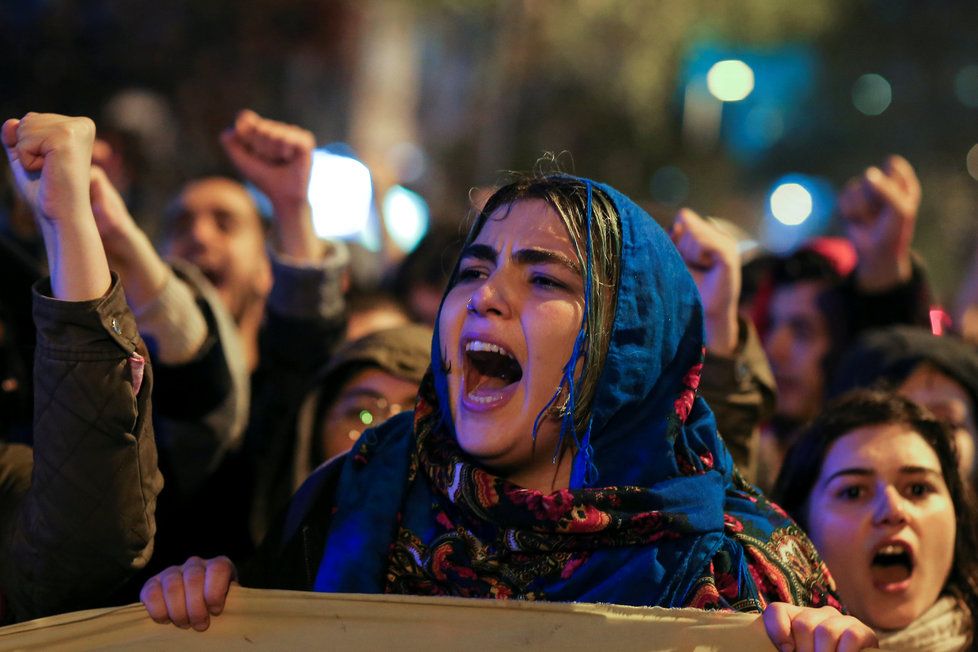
[(470, 307)]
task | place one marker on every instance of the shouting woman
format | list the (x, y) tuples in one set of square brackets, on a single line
[(557, 450)]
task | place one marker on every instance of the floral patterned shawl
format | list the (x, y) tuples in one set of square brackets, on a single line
[(665, 520)]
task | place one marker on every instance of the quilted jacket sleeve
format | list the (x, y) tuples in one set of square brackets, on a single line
[(740, 390), (87, 521)]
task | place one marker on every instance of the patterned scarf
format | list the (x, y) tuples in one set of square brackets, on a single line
[(461, 531), (665, 520)]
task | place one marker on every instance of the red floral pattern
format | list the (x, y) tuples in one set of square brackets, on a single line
[(497, 540)]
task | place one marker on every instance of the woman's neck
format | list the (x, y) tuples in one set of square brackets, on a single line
[(545, 478)]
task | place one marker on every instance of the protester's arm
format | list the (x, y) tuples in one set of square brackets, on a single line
[(192, 370), (87, 521), (50, 156), (889, 286), (305, 317), (880, 212), (201, 394), (906, 303), (165, 306), (740, 390), (736, 381), (712, 258), (277, 158)]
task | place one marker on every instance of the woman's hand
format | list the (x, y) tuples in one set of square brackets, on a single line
[(807, 629), (189, 595)]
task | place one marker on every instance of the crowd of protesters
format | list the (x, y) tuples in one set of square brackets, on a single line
[(266, 358)]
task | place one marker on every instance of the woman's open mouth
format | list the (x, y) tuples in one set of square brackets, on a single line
[(891, 567), (490, 374)]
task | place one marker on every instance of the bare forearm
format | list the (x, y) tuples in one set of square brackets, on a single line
[(141, 270), (79, 271), (721, 334), (295, 236)]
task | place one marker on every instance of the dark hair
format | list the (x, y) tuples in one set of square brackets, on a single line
[(804, 265), (870, 407), (568, 196), (808, 266)]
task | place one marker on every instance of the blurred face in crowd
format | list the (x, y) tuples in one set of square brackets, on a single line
[(796, 344), (366, 400), (882, 518), (506, 330), (216, 227), (947, 399)]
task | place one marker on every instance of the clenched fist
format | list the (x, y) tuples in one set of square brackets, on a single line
[(277, 158), (51, 156)]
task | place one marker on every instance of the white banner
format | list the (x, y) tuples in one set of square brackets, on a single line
[(288, 620)]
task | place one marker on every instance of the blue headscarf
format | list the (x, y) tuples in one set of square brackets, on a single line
[(677, 525)]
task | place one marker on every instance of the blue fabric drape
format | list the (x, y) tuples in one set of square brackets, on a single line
[(652, 441)]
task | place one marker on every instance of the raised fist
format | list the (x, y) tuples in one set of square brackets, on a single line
[(880, 212), (51, 157), (714, 262), (275, 156)]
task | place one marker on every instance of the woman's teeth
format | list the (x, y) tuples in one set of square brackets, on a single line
[(891, 565), (489, 370), (478, 345), (476, 398), (891, 549)]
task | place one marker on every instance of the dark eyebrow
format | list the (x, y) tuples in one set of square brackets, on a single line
[(360, 392), (853, 471), (480, 251), (904, 470), (523, 257), (909, 470), (545, 257)]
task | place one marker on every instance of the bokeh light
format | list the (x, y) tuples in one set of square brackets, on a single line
[(406, 216), (799, 207), (972, 162), (791, 203), (340, 193), (669, 185), (871, 94), (730, 80)]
